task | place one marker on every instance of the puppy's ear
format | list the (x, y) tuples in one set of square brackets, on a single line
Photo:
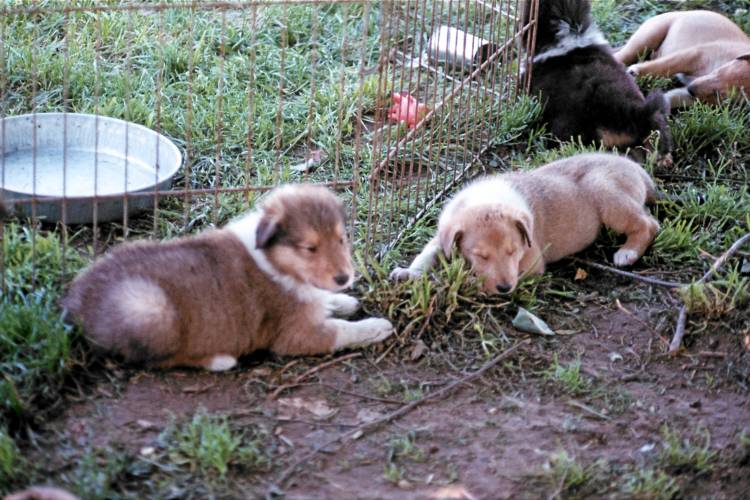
[(524, 227), (744, 57), (268, 228), (451, 236)]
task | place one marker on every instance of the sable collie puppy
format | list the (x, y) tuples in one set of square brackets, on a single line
[(512, 224), (268, 280), (585, 92), (709, 53)]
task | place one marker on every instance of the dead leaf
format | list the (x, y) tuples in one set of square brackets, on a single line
[(454, 491), (261, 371), (365, 415), (527, 322), (747, 341), (145, 424), (581, 275), (318, 407), (196, 388), (418, 350)]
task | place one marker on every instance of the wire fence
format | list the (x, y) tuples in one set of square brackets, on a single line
[(136, 120)]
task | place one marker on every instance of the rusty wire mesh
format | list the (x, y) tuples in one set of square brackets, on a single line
[(253, 94)]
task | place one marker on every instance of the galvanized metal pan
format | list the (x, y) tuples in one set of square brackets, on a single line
[(82, 158)]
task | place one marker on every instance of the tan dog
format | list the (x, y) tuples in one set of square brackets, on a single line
[(710, 51), (266, 281), (511, 225)]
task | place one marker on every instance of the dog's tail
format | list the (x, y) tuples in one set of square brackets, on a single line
[(134, 317)]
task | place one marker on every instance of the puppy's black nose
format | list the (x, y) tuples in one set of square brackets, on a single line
[(341, 279), (504, 288)]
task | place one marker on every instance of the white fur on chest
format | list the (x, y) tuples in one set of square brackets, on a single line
[(568, 41), (244, 228)]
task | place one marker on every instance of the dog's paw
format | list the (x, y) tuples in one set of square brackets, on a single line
[(374, 330), (665, 161), (220, 363), (625, 257), (633, 70), (342, 304), (404, 274)]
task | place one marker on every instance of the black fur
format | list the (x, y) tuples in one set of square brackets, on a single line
[(586, 91)]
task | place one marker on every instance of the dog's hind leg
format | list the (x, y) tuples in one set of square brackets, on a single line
[(633, 220), (647, 38), (686, 61)]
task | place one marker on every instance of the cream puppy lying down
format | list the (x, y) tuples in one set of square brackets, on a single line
[(512, 224)]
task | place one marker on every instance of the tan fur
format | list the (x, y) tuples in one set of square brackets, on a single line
[(561, 208), (612, 139), (709, 49), (265, 281), (41, 493)]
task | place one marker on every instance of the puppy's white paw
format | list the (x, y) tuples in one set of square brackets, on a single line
[(625, 257), (633, 69), (404, 273), (374, 330), (342, 304), (220, 363)]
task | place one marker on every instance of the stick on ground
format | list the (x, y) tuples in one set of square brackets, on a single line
[(359, 431), (645, 279), (312, 371), (679, 331)]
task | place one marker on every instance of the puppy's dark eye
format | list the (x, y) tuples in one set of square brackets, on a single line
[(341, 240), (310, 248)]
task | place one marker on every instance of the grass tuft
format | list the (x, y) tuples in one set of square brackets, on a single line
[(207, 445), (568, 377), (37, 353), (681, 455)]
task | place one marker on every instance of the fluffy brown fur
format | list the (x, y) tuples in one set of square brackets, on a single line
[(709, 52), (265, 281), (511, 225), (585, 92)]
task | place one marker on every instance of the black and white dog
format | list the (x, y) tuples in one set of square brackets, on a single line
[(585, 92)]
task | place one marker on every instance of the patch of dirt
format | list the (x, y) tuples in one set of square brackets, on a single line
[(488, 439)]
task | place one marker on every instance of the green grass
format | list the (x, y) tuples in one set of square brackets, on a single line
[(12, 464), (36, 355), (650, 483), (96, 474), (684, 454), (208, 446), (568, 376), (35, 261), (568, 476)]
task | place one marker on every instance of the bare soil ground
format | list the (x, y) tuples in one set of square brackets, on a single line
[(492, 438)]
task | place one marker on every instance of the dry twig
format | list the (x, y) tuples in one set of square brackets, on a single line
[(312, 371), (359, 431), (645, 279), (679, 331)]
